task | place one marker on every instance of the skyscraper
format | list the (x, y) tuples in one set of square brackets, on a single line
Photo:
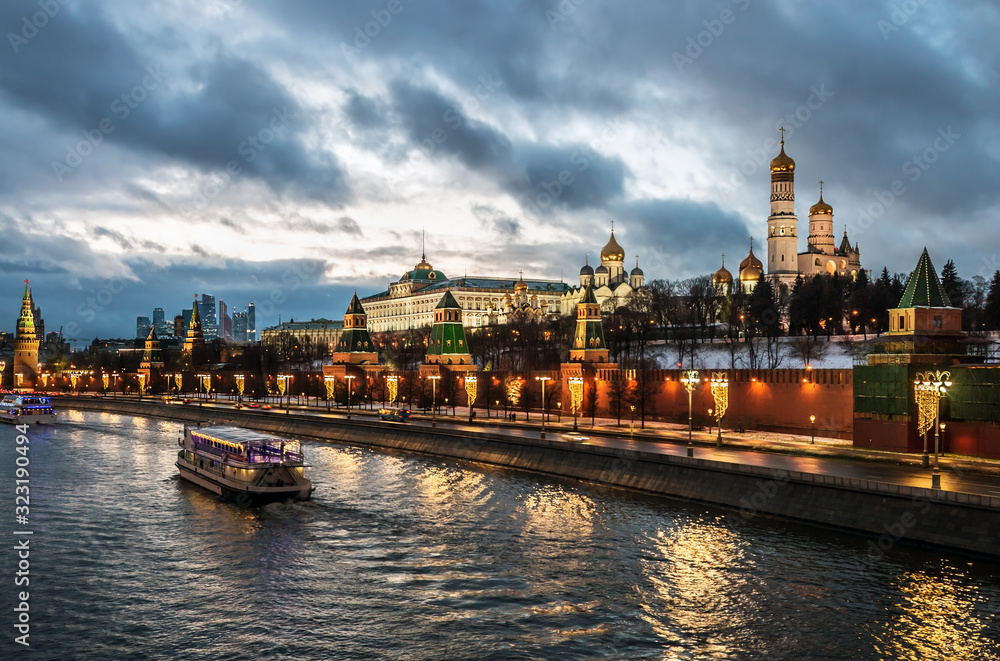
[(142, 326), (225, 322), (251, 323), (209, 320), (180, 323), (239, 326), (160, 323)]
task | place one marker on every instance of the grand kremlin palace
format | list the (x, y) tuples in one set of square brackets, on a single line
[(410, 301)]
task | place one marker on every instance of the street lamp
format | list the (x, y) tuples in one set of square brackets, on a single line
[(710, 421), (576, 397), (812, 421), (434, 381), (543, 379), (349, 378), (283, 380), (471, 384), (928, 389), (330, 382), (559, 411), (690, 380)]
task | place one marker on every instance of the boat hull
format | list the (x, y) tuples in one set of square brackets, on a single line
[(241, 494), (44, 419)]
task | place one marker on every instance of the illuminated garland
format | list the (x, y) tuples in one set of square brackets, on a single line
[(720, 391), (393, 383), (470, 389)]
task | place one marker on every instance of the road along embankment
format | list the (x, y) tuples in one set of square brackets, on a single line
[(889, 513)]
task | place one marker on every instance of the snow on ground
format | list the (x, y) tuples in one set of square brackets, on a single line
[(836, 354)]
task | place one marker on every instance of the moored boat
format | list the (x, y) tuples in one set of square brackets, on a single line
[(26, 410), (245, 466)]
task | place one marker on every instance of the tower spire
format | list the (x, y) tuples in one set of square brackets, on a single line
[(423, 240)]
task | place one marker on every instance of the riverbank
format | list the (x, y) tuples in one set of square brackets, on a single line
[(889, 513)]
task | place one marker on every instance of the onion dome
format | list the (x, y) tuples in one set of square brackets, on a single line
[(636, 270), (751, 260), (587, 268), (601, 270), (612, 251), (821, 207), (751, 274), (521, 285), (783, 162), (722, 276)]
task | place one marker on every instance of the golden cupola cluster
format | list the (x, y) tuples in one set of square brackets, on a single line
[(722, 276), (751, 268), (612, 252)]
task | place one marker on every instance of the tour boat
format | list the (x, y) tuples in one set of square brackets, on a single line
[(26, 410), (245, 466)]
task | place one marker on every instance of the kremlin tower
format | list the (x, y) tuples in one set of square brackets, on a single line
[(25, 345)]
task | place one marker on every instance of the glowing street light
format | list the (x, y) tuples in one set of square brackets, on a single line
[(350, 382), (471, 383), (434, 381), (690, 380), (576, 396), (543, 379), (812, 421)]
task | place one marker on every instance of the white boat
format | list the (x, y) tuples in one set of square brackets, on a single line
[(27, 410), (245, 466)]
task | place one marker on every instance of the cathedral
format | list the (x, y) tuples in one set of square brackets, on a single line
[(784, 262), (609, 281)]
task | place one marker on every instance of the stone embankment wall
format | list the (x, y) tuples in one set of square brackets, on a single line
[(889, 513)]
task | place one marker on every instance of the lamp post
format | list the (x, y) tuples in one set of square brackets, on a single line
[(710, 421), (559, 411), (812, 421), (690, 380), (350, 381), (283, 380), (434, 381), (576, 397), (471, 384), (330, 383), (543, 379), (928, 389)]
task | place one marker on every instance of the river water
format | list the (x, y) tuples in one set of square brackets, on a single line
[(406, 557)]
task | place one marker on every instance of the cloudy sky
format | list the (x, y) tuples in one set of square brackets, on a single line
[(290, 152)]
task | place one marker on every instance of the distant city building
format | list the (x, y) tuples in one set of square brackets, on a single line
[(240, 327), (209, 320), (180, 323), (160, 323), (225, 322), (142, 327), (317, 333), (25, 345), (251, 323), (410, 301)]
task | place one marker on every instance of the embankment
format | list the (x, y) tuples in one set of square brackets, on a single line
[(890, 513)]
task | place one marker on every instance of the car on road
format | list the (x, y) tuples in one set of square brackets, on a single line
[(577, 439), (254, 406)]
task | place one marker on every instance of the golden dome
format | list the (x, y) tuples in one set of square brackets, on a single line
[(751, 260), (750, 274), (782, 162), (821, 206), (521, 285), (612, 252), (722, 276)]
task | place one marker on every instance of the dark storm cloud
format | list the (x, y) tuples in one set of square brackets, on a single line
[(81, 73)]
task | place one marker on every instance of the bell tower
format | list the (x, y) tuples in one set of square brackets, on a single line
[(782, 224)]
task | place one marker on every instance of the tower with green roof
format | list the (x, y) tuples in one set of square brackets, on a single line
[(355, 345), (924, 308), (195, 337), (447, 344), (26, 345), (588, 342)]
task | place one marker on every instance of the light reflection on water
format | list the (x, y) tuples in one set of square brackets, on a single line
[(402, 557)]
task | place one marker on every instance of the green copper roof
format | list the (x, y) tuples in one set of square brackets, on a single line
[(588, 296), (355, 307), (355, 340), (923, 289), (195, 317), (26, 322), (589, 335), (447, 338), (448, 302)]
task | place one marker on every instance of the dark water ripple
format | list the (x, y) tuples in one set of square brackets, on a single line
[(401, 557)]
